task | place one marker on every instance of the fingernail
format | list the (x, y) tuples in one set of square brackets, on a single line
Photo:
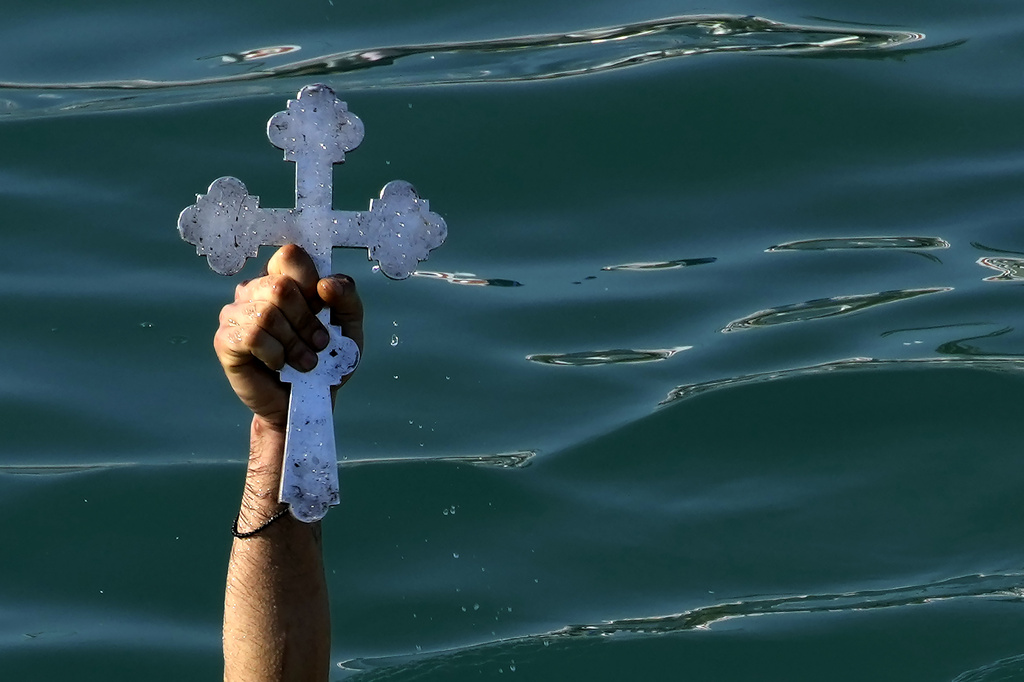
[(321, 339)]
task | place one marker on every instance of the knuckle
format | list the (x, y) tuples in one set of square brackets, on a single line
[(277, 284), (228, 316), (247, 337), (228, 341), (263, 313)]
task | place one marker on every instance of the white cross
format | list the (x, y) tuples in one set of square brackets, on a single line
[(227, 225)]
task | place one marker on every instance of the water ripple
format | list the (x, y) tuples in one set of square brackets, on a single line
[(606, 357), (825, 307), (520, 58), (660, 265), (982, 247), (840, 243), (467, 279), (998, 363), (1010, 269), (503, 460), (1009, 586), (1003, 670)]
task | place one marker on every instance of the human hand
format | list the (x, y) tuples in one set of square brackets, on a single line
[(272, 321)]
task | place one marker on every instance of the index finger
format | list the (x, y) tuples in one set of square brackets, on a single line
[(339, 294)]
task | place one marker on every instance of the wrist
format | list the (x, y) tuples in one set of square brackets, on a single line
[(265, 429), (260, 496)]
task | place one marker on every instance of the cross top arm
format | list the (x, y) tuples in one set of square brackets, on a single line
[(315, 131)]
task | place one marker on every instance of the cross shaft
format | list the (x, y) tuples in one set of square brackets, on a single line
[(398, 230)]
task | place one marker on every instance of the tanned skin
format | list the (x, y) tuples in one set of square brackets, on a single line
[(277, 624)]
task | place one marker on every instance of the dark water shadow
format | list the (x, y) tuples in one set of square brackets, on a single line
[(992, 249), (963, 347)]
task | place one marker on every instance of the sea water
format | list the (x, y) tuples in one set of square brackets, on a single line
[(726, 326)]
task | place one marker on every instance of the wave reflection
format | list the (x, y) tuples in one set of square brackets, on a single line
[(521, 58), (825, 307), (660, 265), (605, 357), (840, 243), (1008, 586), (1010, 269), (998, 363), (502, 460), (1003, 670), (467, 279)]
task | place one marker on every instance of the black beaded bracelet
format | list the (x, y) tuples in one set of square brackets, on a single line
[(249, 534)]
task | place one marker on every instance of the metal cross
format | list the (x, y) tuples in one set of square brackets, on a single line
[(227, 225)]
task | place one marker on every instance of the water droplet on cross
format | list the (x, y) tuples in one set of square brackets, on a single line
[(228, 226)]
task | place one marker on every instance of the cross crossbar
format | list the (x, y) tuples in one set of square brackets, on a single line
[(398, 230)]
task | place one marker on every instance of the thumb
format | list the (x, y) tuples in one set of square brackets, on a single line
[(291, 261)]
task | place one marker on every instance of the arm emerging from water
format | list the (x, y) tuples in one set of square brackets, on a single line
[(276, 611)]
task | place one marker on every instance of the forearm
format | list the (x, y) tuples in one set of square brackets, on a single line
[(276, 611)]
